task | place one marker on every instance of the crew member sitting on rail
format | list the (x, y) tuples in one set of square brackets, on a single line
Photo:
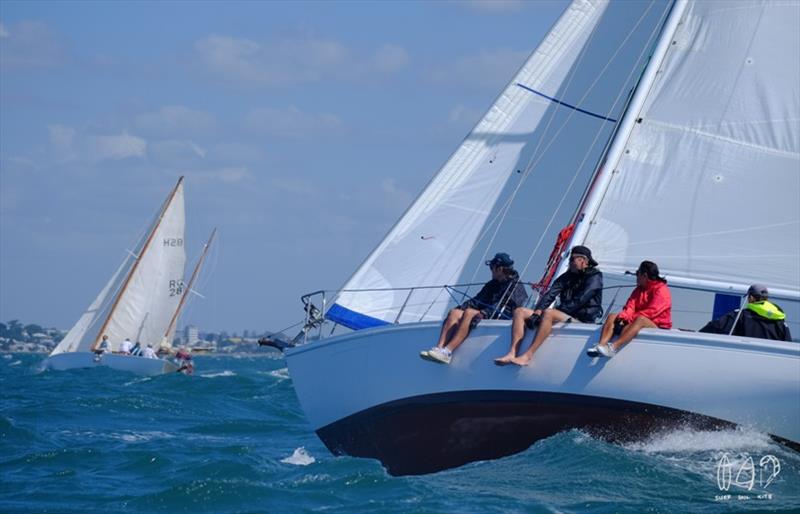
[(149, 353), (497, 299), (649, 306), (104, 346), (580, 294), (760, 318), (125, 347)]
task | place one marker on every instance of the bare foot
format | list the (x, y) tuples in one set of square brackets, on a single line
[(522, 360), (505, 359)]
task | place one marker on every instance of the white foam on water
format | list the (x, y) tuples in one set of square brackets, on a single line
[(8, 357), (685, 440), (137, 437), (137, 380), (15, 363), (226, 373), (280, 374), (300, 457)]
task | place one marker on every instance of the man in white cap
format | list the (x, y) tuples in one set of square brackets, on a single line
[(760, 318)]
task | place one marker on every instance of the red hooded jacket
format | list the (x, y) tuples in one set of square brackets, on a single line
[(653, 301)]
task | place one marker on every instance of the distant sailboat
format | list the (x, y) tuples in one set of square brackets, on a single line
[(142, 301), (710, 131)]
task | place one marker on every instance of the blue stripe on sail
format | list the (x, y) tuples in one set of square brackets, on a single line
[(559, 102), (352, 319)]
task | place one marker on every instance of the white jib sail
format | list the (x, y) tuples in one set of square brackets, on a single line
[(154, 289), (80, 337), (431, 242), (709, 183)]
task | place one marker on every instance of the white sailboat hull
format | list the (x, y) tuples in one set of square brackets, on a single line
[(131, 363), (369, 394)]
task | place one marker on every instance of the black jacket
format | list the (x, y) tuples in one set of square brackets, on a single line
[(498, 298), (580, 295), (750, 324)]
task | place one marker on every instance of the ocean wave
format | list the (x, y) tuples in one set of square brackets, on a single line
[(280, 374), (138, 437), (300, 457), (687, 440), (226, 373)]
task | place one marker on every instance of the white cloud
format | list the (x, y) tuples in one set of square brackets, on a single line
[(114, 147), (486, 69), (294, 185), (293, 60), (29, 45), (67, 143), (464, 115), (393, 195), (175, 120), (292, 122), (62, 142), (229, 175), (390, 58), (279, 62), (495, 6), (175, 153), (237, 152)]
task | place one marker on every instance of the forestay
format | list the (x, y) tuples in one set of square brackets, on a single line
[(431, 242), (709, 181)]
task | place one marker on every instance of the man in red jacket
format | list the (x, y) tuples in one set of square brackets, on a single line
[(649, 306)]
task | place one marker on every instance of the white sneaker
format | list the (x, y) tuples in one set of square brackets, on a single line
[(442, 355), (606, 350), (593, 351)]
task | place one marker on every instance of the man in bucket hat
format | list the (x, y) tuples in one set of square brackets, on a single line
[(580, 294), (496, 300), (760, 318)]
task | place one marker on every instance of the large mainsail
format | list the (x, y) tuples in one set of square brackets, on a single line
[(709, 181), (432, 241), (154, 289)]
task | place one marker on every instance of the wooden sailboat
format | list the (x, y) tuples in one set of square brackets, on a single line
[(141, 302)]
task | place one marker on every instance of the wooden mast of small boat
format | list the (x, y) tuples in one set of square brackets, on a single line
[(138, 258), (188, 289)]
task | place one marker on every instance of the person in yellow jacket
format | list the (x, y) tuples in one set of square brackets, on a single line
[(760, 318)]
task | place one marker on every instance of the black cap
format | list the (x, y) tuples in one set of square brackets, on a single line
[(585, 252), (758, 290), (501, 259)]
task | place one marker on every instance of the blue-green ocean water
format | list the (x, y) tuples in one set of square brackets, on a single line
[(233, 438)]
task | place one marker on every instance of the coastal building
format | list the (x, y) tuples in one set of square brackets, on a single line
[(191, 335)]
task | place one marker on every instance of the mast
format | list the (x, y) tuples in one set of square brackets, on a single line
[(186, 291), (138, 259), (599, 185)]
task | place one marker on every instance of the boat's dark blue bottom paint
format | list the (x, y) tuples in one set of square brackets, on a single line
[(430, 433)]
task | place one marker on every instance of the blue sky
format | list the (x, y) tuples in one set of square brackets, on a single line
[(304, 130)]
